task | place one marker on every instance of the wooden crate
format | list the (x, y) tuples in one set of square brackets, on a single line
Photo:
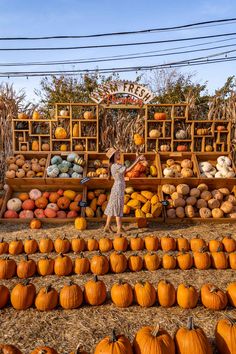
[(178, 157), (34, 182), (215, 182), (12, 191), (152, 159)]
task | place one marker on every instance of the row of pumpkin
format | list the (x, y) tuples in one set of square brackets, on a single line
[(119, 243), (94, 293), (117, 262), (156, 340)]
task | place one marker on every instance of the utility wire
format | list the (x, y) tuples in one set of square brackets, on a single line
[(150, 30), (118, 44)]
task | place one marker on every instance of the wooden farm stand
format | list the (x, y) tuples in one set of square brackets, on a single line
[(178, 116)]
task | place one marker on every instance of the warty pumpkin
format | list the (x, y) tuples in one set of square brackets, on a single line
[(166, 293), (187, 296), (45, 266), (71, 296), (153, 340), (82, 264), (213, 298), (225, 335), (145, 294), (122, 294), (95, 292), (114, 344), (23, 295), (46, 299), (63, 265), (192, 340)]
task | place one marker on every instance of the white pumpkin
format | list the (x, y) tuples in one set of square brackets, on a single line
[(168, 172), (208, 175), (218, 175), (154, 133), (14, 204), (224, 161), (205, 166), (181, 134), (230, 175)]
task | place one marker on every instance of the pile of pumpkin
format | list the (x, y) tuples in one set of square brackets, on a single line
[(176, 169), (122, 294), (143, 204), (189, 339), (71, 166), (221, 169), (19, 166), (199, 202), (119, 244), (98, 168), (36, 204), (141, 169)]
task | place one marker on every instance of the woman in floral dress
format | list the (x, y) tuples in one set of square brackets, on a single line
[(115, 205)]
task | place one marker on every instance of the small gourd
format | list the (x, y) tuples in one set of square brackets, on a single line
[(75, 132), (53, 171), (56, 160), (35, 145), (181, 134), (60, 133)]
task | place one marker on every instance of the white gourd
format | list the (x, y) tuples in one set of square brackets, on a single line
[(224, 160), (181, 134), (205, 166), (218, 175), (168, 172)]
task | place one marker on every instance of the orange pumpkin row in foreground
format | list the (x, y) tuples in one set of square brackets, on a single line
[(71, 296), (155, 340), (120, 244)]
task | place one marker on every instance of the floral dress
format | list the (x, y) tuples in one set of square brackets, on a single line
[(115, 205)]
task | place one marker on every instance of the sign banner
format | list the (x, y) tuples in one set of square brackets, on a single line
[(108, 92)]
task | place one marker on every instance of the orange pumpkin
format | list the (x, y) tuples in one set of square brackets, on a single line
[(60, 133), (35, 224), (41, 202), (63, 203), (23, 196), (160, 116), (182, 148)]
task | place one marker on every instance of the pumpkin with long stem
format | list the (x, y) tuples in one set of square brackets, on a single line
[(192, 340), (116, 344), (46, 299), (166, 293), (213, 298), (23, 295), (95, 292), (145, 294), (71, 296), (187, 296), (4, 296), (63, 265), (153, 340), (122, 294), (9, 349), (26, 268), (118, 262), (225, 335), (45, 266), (62, 245), (7, 268), (82, 264)]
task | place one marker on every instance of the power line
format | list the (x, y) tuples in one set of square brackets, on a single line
[(150, 30), (182, 63), (119, 44), (109, 59)]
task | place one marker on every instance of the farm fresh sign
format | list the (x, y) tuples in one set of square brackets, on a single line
[(122, 92)]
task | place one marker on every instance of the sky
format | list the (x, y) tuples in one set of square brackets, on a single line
[(80, 17)]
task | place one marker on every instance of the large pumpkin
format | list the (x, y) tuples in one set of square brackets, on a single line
[(99, 264), (213, 298), (60, 133), (166, 293), (145, 294), (71, 296), (122, 294), (63, 265), (95, 292), (225, 334), (114, 345), (118, 262), (192, 340), (153, 340), (187, 296), (22, 296), (47, 299)]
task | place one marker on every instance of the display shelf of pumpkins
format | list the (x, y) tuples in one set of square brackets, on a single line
[(147, 168), (48, 205), (138, 203), (184, 167), (65, 167), (97, 166), (199, 202), (218, 167), (25, 167)]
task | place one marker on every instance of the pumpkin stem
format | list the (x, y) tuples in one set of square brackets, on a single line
[(219, 249), (203, 249), (81, 255), (29, 238), (71, 282), (77, 350), (190, 324), (1, 239), (26, 257), (26, 282), (95, 278), (113, 338), (213, 289), (48, 288), (45, 257), (156, 330)]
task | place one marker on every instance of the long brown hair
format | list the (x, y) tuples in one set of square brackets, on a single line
[(111, 162)]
